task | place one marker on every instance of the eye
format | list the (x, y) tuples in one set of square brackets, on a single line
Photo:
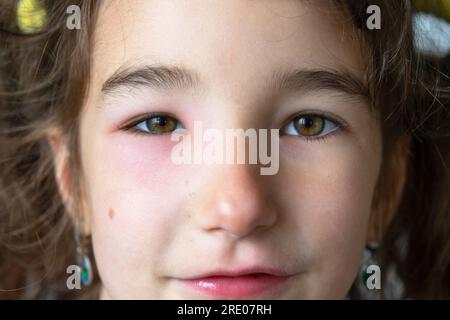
[(157, 125), (310, 125)]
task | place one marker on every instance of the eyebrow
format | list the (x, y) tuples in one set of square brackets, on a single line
[(169, 77), (306, 80), (163, 77)]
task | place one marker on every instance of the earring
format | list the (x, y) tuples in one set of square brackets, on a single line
[(83, 261), (368, 258), (359, 289)]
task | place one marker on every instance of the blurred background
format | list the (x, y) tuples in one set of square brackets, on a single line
[(432, 26)]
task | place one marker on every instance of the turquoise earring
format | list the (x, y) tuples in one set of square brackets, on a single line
[(83, 261), (368, 259)]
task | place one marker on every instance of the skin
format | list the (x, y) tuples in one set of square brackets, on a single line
[(153, 222)]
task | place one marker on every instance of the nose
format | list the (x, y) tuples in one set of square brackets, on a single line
[(235, 201)]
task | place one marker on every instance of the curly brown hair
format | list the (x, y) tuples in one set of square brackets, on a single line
[(43, 83)]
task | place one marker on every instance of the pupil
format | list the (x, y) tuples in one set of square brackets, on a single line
[(160, 121), (307, 122)]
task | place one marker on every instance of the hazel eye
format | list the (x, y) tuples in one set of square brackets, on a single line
[(158, 125), (310, 126)]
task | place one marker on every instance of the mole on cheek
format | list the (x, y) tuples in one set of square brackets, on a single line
[(111, 213)]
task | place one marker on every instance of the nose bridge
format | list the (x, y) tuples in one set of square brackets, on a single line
[(234, 202)]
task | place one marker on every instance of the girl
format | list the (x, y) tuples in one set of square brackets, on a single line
[(86, 173)]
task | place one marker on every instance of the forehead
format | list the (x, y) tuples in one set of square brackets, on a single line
[(230, 44)]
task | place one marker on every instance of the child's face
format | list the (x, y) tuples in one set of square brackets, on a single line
[(155, 223)]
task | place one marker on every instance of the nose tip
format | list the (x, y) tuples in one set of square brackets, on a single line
[(237, 205)]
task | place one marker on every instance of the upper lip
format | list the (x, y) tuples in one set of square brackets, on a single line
[(241, 272)]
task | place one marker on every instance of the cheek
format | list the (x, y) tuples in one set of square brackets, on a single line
[(141, 162), (333, 182), (135, 196), (332, 201), (135, 176), (333, 188), (132, 165)]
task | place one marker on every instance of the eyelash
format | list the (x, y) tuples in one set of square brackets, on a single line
[(131, 125), (338, 122)]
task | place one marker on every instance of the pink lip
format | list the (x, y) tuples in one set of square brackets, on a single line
[(243, 284)]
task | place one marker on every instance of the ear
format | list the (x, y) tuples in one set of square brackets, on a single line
[(389, 189), (60, 152), (64, 178)]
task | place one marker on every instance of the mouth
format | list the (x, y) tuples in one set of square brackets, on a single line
[(237, 284)]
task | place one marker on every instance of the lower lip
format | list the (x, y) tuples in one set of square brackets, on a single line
[(236, 287)]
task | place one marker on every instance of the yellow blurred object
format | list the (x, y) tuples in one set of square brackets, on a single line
[(439, 8), (31, 16)]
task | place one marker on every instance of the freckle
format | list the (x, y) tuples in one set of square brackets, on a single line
[(111, 213)]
